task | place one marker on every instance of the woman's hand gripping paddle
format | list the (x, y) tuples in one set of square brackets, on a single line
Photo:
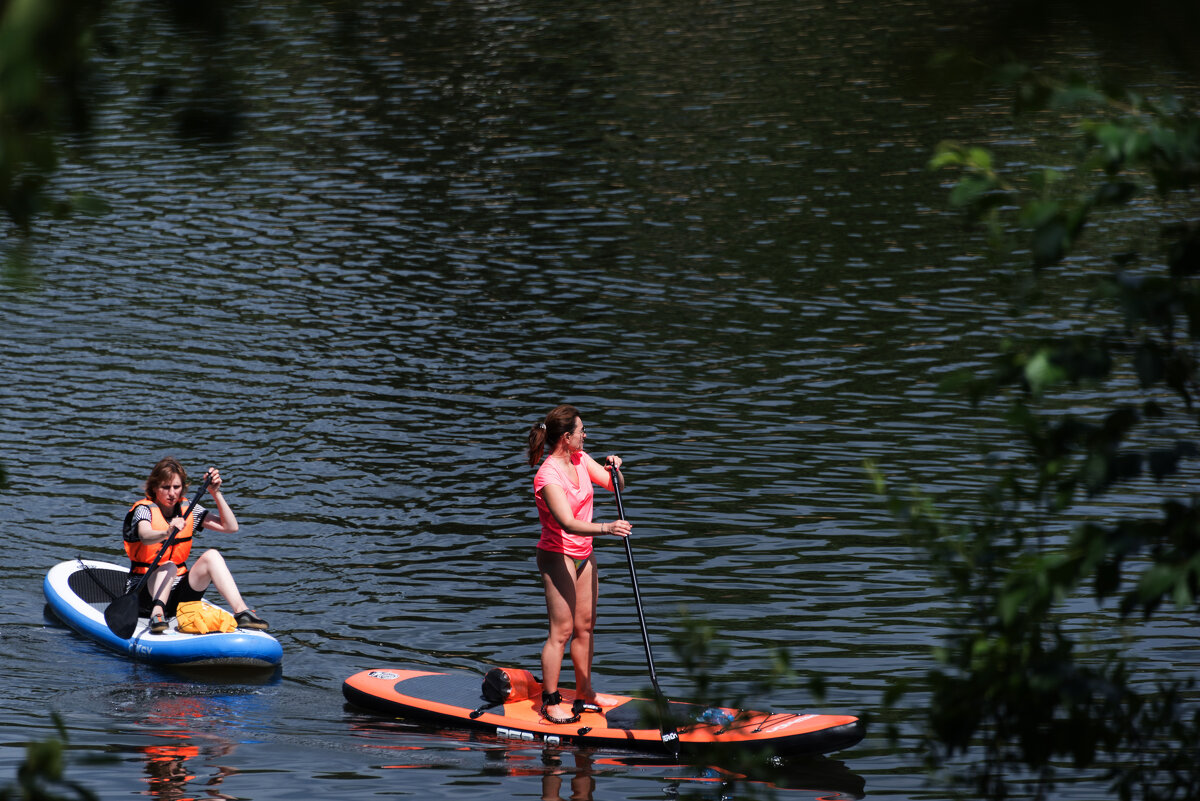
[(670, 737), (122, 614)]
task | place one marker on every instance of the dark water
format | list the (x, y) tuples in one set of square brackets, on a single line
[(708, 225)]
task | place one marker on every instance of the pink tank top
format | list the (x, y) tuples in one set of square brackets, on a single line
[(579, 497)]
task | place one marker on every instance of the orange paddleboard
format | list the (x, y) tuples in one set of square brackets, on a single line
[(457, 699)]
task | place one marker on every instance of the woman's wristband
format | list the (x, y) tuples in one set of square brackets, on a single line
[(602, 531)]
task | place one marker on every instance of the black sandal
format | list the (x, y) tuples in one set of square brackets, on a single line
[(158, 620), (580, 706), (553, 699)]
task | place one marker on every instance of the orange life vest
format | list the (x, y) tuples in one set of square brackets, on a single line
[(141, 554)]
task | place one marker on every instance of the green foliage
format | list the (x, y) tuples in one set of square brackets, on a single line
[(704, 661), (47, 77), (40, 778), (1013, 684), (44, 49), (1138, 138)]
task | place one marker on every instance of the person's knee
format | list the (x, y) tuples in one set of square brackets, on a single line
[(559, 634), (162, 571), (211, 557), (585, 621)]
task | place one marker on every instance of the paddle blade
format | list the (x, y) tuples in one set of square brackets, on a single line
[(122, 615)]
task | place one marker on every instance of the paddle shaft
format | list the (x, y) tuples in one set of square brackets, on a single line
[(670, 737), (637, 595)]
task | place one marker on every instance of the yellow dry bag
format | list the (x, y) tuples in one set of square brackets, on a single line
[(198, 617)]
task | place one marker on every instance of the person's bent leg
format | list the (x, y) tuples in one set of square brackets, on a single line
[(158, 586), (159, 581), (210, 568)]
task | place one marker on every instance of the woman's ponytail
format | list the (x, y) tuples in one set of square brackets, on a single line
[(537, 442), (559, 420)]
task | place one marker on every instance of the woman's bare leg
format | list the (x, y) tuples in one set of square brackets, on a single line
[(583, 641), (558, 577), (210, 568), (159, 583)]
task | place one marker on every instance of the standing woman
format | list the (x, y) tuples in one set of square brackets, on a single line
[(148, 524), (562, 489)]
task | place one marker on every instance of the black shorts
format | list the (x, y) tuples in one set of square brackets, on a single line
[(182, 591)]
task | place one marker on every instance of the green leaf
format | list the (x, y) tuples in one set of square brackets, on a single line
[(1041, 372), (947, 154), (1050, 243), (979, 157)]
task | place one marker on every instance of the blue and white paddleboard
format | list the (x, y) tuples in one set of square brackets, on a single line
[(79, 591)]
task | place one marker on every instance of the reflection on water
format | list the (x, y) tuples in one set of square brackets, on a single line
[(583, 774), (169, 768), (191, 739)]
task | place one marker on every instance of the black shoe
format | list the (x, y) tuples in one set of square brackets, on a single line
[(246, 619)]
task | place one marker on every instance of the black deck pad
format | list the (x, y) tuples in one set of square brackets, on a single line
[(463, 690), (98, 585)]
